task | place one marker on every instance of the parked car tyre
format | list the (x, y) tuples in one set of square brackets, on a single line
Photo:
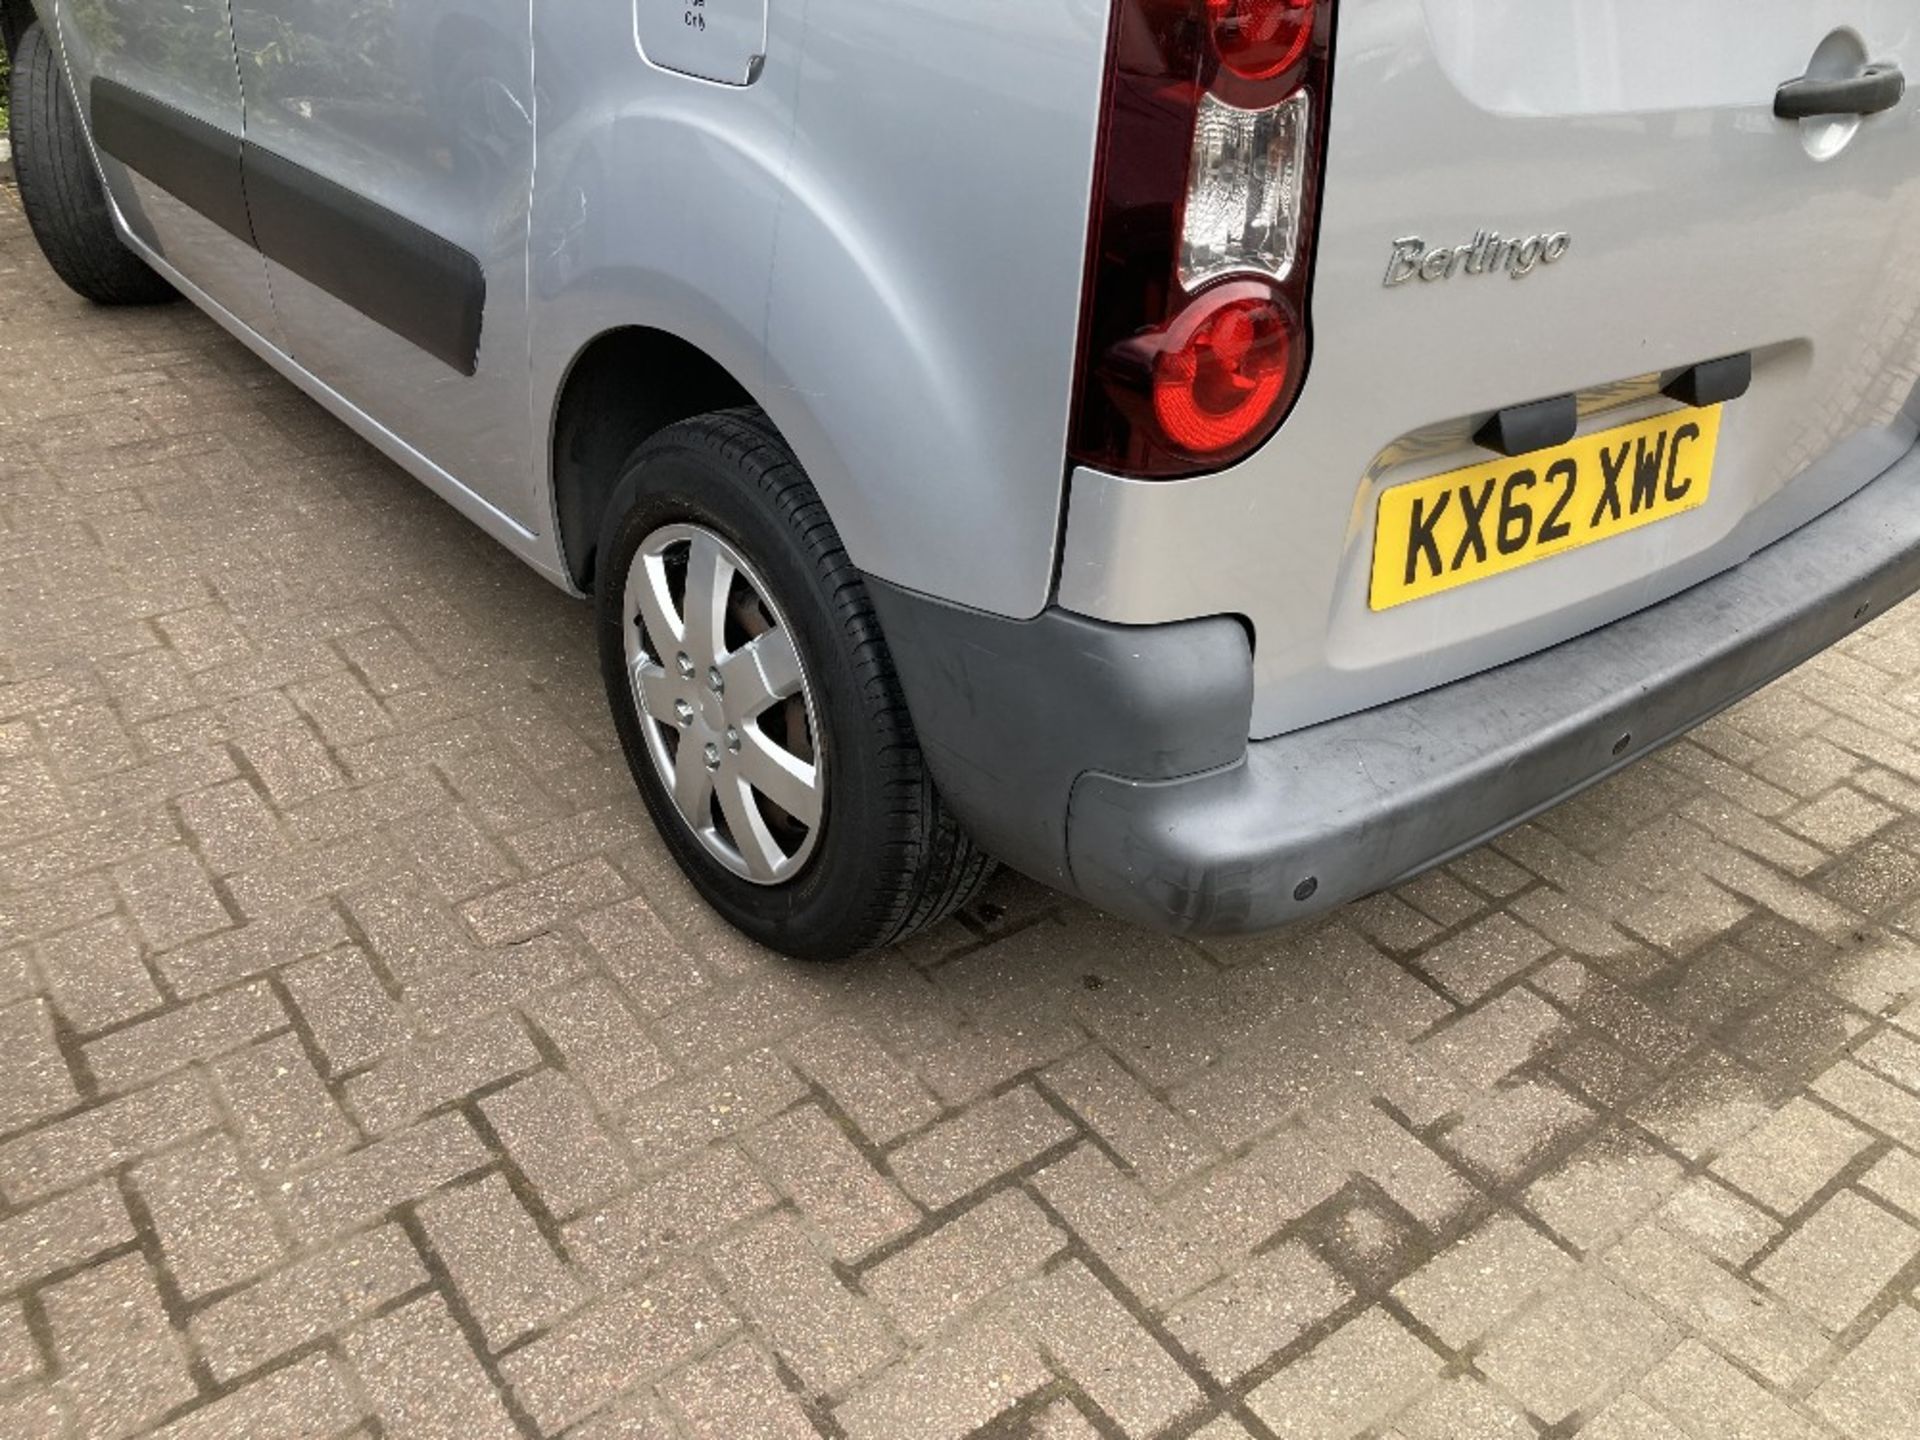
[(758, 705), (60, 187)]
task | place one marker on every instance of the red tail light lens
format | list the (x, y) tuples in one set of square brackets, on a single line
[(1216, 381), (1194, 336), (1260, 39)]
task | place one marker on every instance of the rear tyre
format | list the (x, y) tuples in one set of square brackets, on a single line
[(60, 187), (757, 703)]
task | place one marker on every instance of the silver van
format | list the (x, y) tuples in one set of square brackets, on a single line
[(1219, 457)]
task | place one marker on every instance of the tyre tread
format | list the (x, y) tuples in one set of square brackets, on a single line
[(60, 189), (932, 865)]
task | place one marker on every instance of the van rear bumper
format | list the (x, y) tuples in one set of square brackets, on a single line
[(1101, 759)]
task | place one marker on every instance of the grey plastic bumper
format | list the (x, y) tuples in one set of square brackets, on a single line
[(1340, 810), (1011, 713), (1112, 760)]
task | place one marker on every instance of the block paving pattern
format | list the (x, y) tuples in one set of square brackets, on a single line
[(365, 1069)]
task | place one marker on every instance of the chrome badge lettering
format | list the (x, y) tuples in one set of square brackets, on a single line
[(1487, 254)]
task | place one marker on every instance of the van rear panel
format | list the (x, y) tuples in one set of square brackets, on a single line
[(1523, 202)]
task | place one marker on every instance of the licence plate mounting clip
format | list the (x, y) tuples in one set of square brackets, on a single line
[(1711, 382), (1536, 425)]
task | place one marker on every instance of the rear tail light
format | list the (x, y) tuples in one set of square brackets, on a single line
[(1243, 190), (1260, 39), (1225, 366), (1194, 338)]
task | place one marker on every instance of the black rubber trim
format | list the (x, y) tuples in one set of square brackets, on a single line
[(1522, 429), (197, 163), (422, 287), (1711, 382)]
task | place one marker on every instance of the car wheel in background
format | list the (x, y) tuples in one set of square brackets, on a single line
[(60, 187)]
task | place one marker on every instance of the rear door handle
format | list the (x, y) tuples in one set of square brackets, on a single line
[(1876, 88)]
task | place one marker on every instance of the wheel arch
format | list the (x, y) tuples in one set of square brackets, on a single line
[(15, 17), (624, 386), (904, 308)]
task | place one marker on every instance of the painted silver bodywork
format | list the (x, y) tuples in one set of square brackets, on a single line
[(181, 53), (879, 231), (1700, 226), (424, 107), (881, 238)]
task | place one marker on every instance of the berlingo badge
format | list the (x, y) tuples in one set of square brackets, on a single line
[(1487, 253)]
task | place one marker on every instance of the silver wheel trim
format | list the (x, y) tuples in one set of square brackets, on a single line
[(704, 702)]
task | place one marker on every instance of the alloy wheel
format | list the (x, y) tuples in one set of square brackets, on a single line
[(725, 702)]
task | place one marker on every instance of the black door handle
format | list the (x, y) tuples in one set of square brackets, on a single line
[(1876, 88)]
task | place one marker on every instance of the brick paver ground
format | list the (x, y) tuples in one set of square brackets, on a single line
[(365, 1068)]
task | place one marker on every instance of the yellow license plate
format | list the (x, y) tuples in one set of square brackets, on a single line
[(1453, 529)]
